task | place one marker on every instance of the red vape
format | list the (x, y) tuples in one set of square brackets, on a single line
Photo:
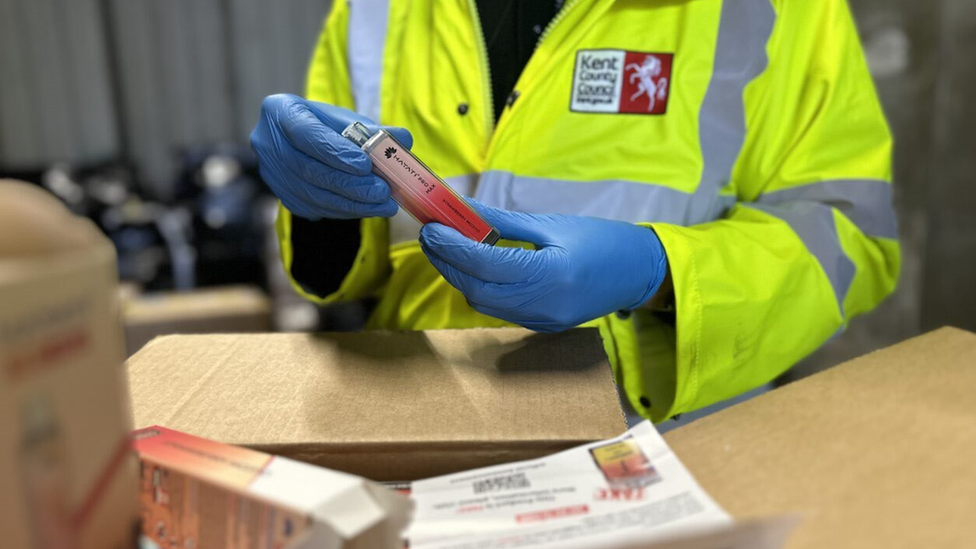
[(417, 189)]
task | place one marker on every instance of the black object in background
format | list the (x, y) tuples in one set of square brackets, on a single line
[(222, 190)]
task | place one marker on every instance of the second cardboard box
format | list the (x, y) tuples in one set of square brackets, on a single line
[(384, 405)]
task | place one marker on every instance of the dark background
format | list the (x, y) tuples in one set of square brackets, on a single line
[(147, 88)]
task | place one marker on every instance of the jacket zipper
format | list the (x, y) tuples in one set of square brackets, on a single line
[(555, 21), (560, 16), (489, 105), (487, 97)]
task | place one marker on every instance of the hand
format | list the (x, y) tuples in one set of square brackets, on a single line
[(584, 267), (311, 168)]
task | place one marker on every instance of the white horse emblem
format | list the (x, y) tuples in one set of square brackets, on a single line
[(651, 83)]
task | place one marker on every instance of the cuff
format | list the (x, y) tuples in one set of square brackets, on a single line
[(682, 372), (329, 261)]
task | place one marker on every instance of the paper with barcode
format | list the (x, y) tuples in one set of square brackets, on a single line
[(616, 493)]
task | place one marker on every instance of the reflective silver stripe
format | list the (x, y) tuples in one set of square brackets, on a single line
[(366, 37), (866, 202), (619, 200), (814, 224), (740, 56), (404, 228)]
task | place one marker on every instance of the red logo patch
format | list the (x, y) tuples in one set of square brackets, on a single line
[(647, 83)]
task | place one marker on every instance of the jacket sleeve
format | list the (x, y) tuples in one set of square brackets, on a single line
[(811, 241), (333, 260)]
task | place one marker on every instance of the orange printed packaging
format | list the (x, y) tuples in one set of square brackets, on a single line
[(198, 493)]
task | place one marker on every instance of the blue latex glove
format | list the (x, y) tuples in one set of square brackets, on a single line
[(584, 267), (311, 168)]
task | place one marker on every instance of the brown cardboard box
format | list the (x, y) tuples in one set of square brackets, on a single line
[(231, 309), (67, 478), (384, 405), (878, 452)]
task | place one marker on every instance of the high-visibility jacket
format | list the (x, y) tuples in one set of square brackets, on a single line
[(763, 165)]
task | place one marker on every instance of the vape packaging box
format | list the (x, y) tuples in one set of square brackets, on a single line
[(67, 477), (389, 406), (227, 309), (200, 493), (876, 452)]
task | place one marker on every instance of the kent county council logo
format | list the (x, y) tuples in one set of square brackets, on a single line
[(618, 81), (390, 151)]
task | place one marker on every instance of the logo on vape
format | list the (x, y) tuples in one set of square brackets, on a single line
[(617, 81), (391, 152)]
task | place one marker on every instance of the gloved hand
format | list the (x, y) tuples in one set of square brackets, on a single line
[(584, 267), (311, 168)]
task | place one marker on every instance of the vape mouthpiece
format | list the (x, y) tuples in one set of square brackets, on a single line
[(357, 133)]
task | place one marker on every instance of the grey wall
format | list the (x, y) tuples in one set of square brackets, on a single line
[(142, 78), (195, 71), (950, 241), (56, 100)]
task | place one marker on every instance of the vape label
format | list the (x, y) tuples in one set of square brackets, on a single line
[(623, 82), (421, 176), (624, 464), (423, 194)]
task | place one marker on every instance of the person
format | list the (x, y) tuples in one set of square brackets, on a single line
[(708, 182)]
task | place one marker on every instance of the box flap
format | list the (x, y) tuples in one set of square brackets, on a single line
[(876, 452), (39, 236), (386, 405), (35, 224), (204, 304)]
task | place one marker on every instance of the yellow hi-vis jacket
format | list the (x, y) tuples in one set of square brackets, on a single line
[(763, 164)]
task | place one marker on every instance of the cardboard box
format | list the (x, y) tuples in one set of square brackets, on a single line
[(67, 478), (383, 405), (231, 309), (877, 452), (200, 493)]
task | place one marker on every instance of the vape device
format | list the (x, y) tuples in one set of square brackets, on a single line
[(417, 189)]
